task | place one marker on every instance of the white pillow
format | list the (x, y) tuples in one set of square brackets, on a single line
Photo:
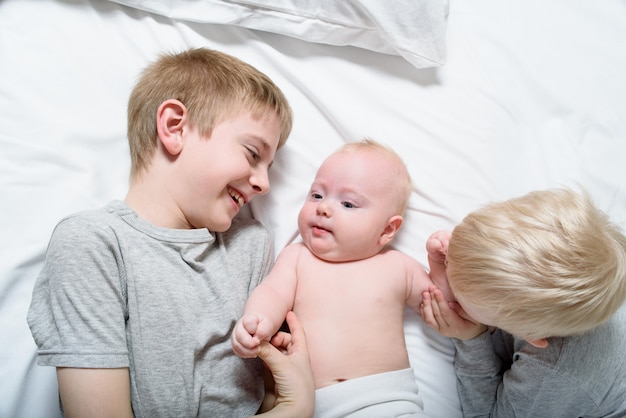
[(413, 29)]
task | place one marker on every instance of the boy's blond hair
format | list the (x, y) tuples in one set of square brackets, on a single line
[(547, 264), (402, 183), (212, 85)]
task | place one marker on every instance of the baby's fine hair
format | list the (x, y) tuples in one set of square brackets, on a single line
[(547, 264), (401, 178), (213, 86)]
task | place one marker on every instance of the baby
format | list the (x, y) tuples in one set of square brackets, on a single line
[(347, 287)]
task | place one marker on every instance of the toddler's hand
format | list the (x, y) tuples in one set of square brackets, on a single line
[(249, 331), (437, 312)]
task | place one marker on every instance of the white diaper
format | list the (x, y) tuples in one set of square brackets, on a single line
[(390, 394)]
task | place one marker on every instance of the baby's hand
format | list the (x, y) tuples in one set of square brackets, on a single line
[(248, 333), (437, 246), (455, 323)]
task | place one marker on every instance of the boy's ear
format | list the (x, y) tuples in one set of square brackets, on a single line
[(171, 119), (393, 226)]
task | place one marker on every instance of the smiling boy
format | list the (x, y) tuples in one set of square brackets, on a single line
[(136, 301)]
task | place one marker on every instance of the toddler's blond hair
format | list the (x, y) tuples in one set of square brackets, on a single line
[(546, 264)]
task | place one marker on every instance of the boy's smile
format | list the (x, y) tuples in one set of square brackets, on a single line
[(207, 180), (227, 170), (237, 197)]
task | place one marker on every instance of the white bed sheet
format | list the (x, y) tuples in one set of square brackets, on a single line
[(532, 96)]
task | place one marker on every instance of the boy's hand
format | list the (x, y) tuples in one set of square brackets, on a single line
[(287, 357), (448, 321), (249, 331)]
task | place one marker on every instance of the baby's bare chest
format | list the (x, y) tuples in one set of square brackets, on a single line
[(364, 282)]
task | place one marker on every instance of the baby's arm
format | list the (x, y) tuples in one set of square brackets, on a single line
[(421, 282), (437, 248), (418, 282), (268, 305), (438, 308)]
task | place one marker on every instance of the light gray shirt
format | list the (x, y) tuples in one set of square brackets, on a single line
[(499, 375), (117, 291)]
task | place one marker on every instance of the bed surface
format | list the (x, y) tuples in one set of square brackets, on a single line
[(516, 96)]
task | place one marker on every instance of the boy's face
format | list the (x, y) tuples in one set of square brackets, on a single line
[(477, 313), (474, 311), (218, 175), (348, 206)]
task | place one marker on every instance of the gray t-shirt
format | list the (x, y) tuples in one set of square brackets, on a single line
[(499, 375), (117, 291)]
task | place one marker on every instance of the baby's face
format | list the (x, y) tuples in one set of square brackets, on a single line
[(348, 206)]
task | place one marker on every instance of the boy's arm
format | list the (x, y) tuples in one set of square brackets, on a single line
[(532, 382), (95, 392), (287, 358), (478, 369), (487, 387), (479, 376), (268, 304)]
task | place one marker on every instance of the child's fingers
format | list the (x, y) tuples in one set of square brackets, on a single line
[(264, 330), (244, 344), (250, 323), (426, 311), (288, 342), (281, 341), (437, 308), (433, 245), (271, 356), (298, 338), (434, 248), (245, 338), (437, 243)]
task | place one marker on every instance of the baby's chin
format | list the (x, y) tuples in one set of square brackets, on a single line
[(322, 253), (329, 255)]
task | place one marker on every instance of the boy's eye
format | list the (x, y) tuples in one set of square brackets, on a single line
[(316, 196), (253, 153), (348, 205)]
